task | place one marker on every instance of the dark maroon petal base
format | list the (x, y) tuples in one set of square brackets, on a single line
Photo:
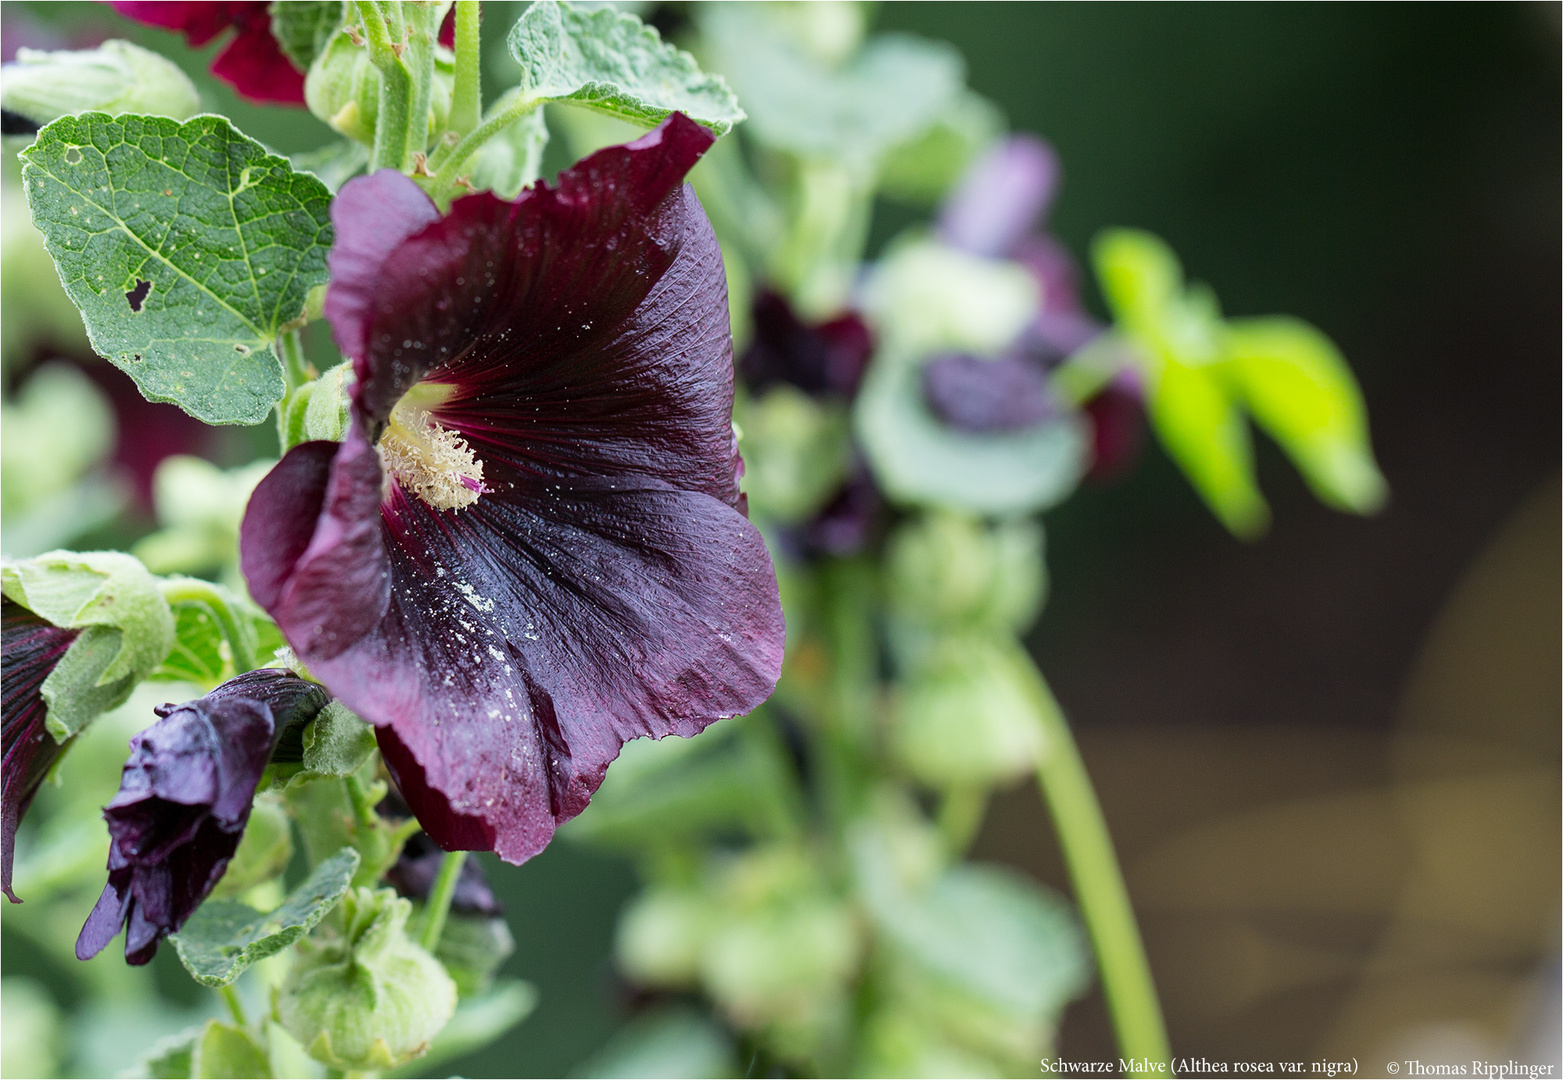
[(252, 63), (31, 648)]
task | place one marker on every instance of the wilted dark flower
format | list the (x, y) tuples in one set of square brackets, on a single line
[(252, 62), (183, 802), (978, 396), (541, 557), (822, 358), (31, 647), (413, 874)]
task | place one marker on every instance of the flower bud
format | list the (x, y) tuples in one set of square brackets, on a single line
[(343, 89), (950, 571), (970, 716), (367, 997), (116, 77), (660, 937)]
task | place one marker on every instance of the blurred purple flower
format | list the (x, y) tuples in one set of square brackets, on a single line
[(998, 210), (183, 802), (413, 874), (32, 646), (820, 358), (252, 62), (542, 557)]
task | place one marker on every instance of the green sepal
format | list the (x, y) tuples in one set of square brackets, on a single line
[(223, 1050), (611, 61), (304, 27), (223, 938), (186, 247), (116, 77), (126, 628), (921, 461), (264, 851), (335, 744), (472, 947), (478, 1021)]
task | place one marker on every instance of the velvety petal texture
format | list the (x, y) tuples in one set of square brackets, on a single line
[(599, 584), (184, 798), (252, 62), (30, 646)]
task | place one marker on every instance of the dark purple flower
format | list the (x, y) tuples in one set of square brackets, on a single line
[(978, 395), (252, 62), (844, 526), (183, 801), (1001, 198), (822, 358), (1117, 417), (413, 874), (541, 558), (31, 647)]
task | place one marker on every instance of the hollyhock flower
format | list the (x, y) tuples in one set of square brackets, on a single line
[(998, 211), (824, 358), (33, 646), (252, 62), (183, 802), (527, 549), (413, 874)]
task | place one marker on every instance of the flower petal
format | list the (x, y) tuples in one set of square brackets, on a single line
[(255, 65), (1001, 197)]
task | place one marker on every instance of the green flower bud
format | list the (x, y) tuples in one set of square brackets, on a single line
[(951, 571), (343, 89), (660, 937), (931, 297), (971, 716), (797, 451), (325, 417), (367, 997), (116, 77)]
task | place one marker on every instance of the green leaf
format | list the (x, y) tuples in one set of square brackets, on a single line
[(923, 170), (336, 743), (512, 159), (303, 27), (116, 77), (890, 94), (797, 452), (472, 947), (610, 61), (224, 938), (989, 934), (1205, 433), (919, 460), (223, 1051), (672, 1041), (126, 628), (1298, 387), (171, 1058), (187, 248)]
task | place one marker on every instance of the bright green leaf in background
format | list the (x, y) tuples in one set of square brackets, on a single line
[(304, 27), (610, 61), (187, 248), (223, 937), (1206, 376), (116, 77)]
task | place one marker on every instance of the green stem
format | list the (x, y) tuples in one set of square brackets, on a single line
[(447, 159), (230, 998), (393, 125), (295, 368), (1103, 899), (466, 100), (195, 591), (363, 797), (420, 55), (961, 811), (440, 897)]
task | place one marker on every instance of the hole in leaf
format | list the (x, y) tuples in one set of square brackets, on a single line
[(73, 156), (138, 295), (241, 348)]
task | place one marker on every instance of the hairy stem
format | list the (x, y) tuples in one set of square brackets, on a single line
[(1103, 899), (446, 160), (466, 101), (419, 57), (295, 368), (440, 896), (393, 126)]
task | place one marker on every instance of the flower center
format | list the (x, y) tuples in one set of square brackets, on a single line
[(432, 462)]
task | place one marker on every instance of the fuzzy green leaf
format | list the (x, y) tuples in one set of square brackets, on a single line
[(187, 247), (223, 938), (612, 62), (303, 27)]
